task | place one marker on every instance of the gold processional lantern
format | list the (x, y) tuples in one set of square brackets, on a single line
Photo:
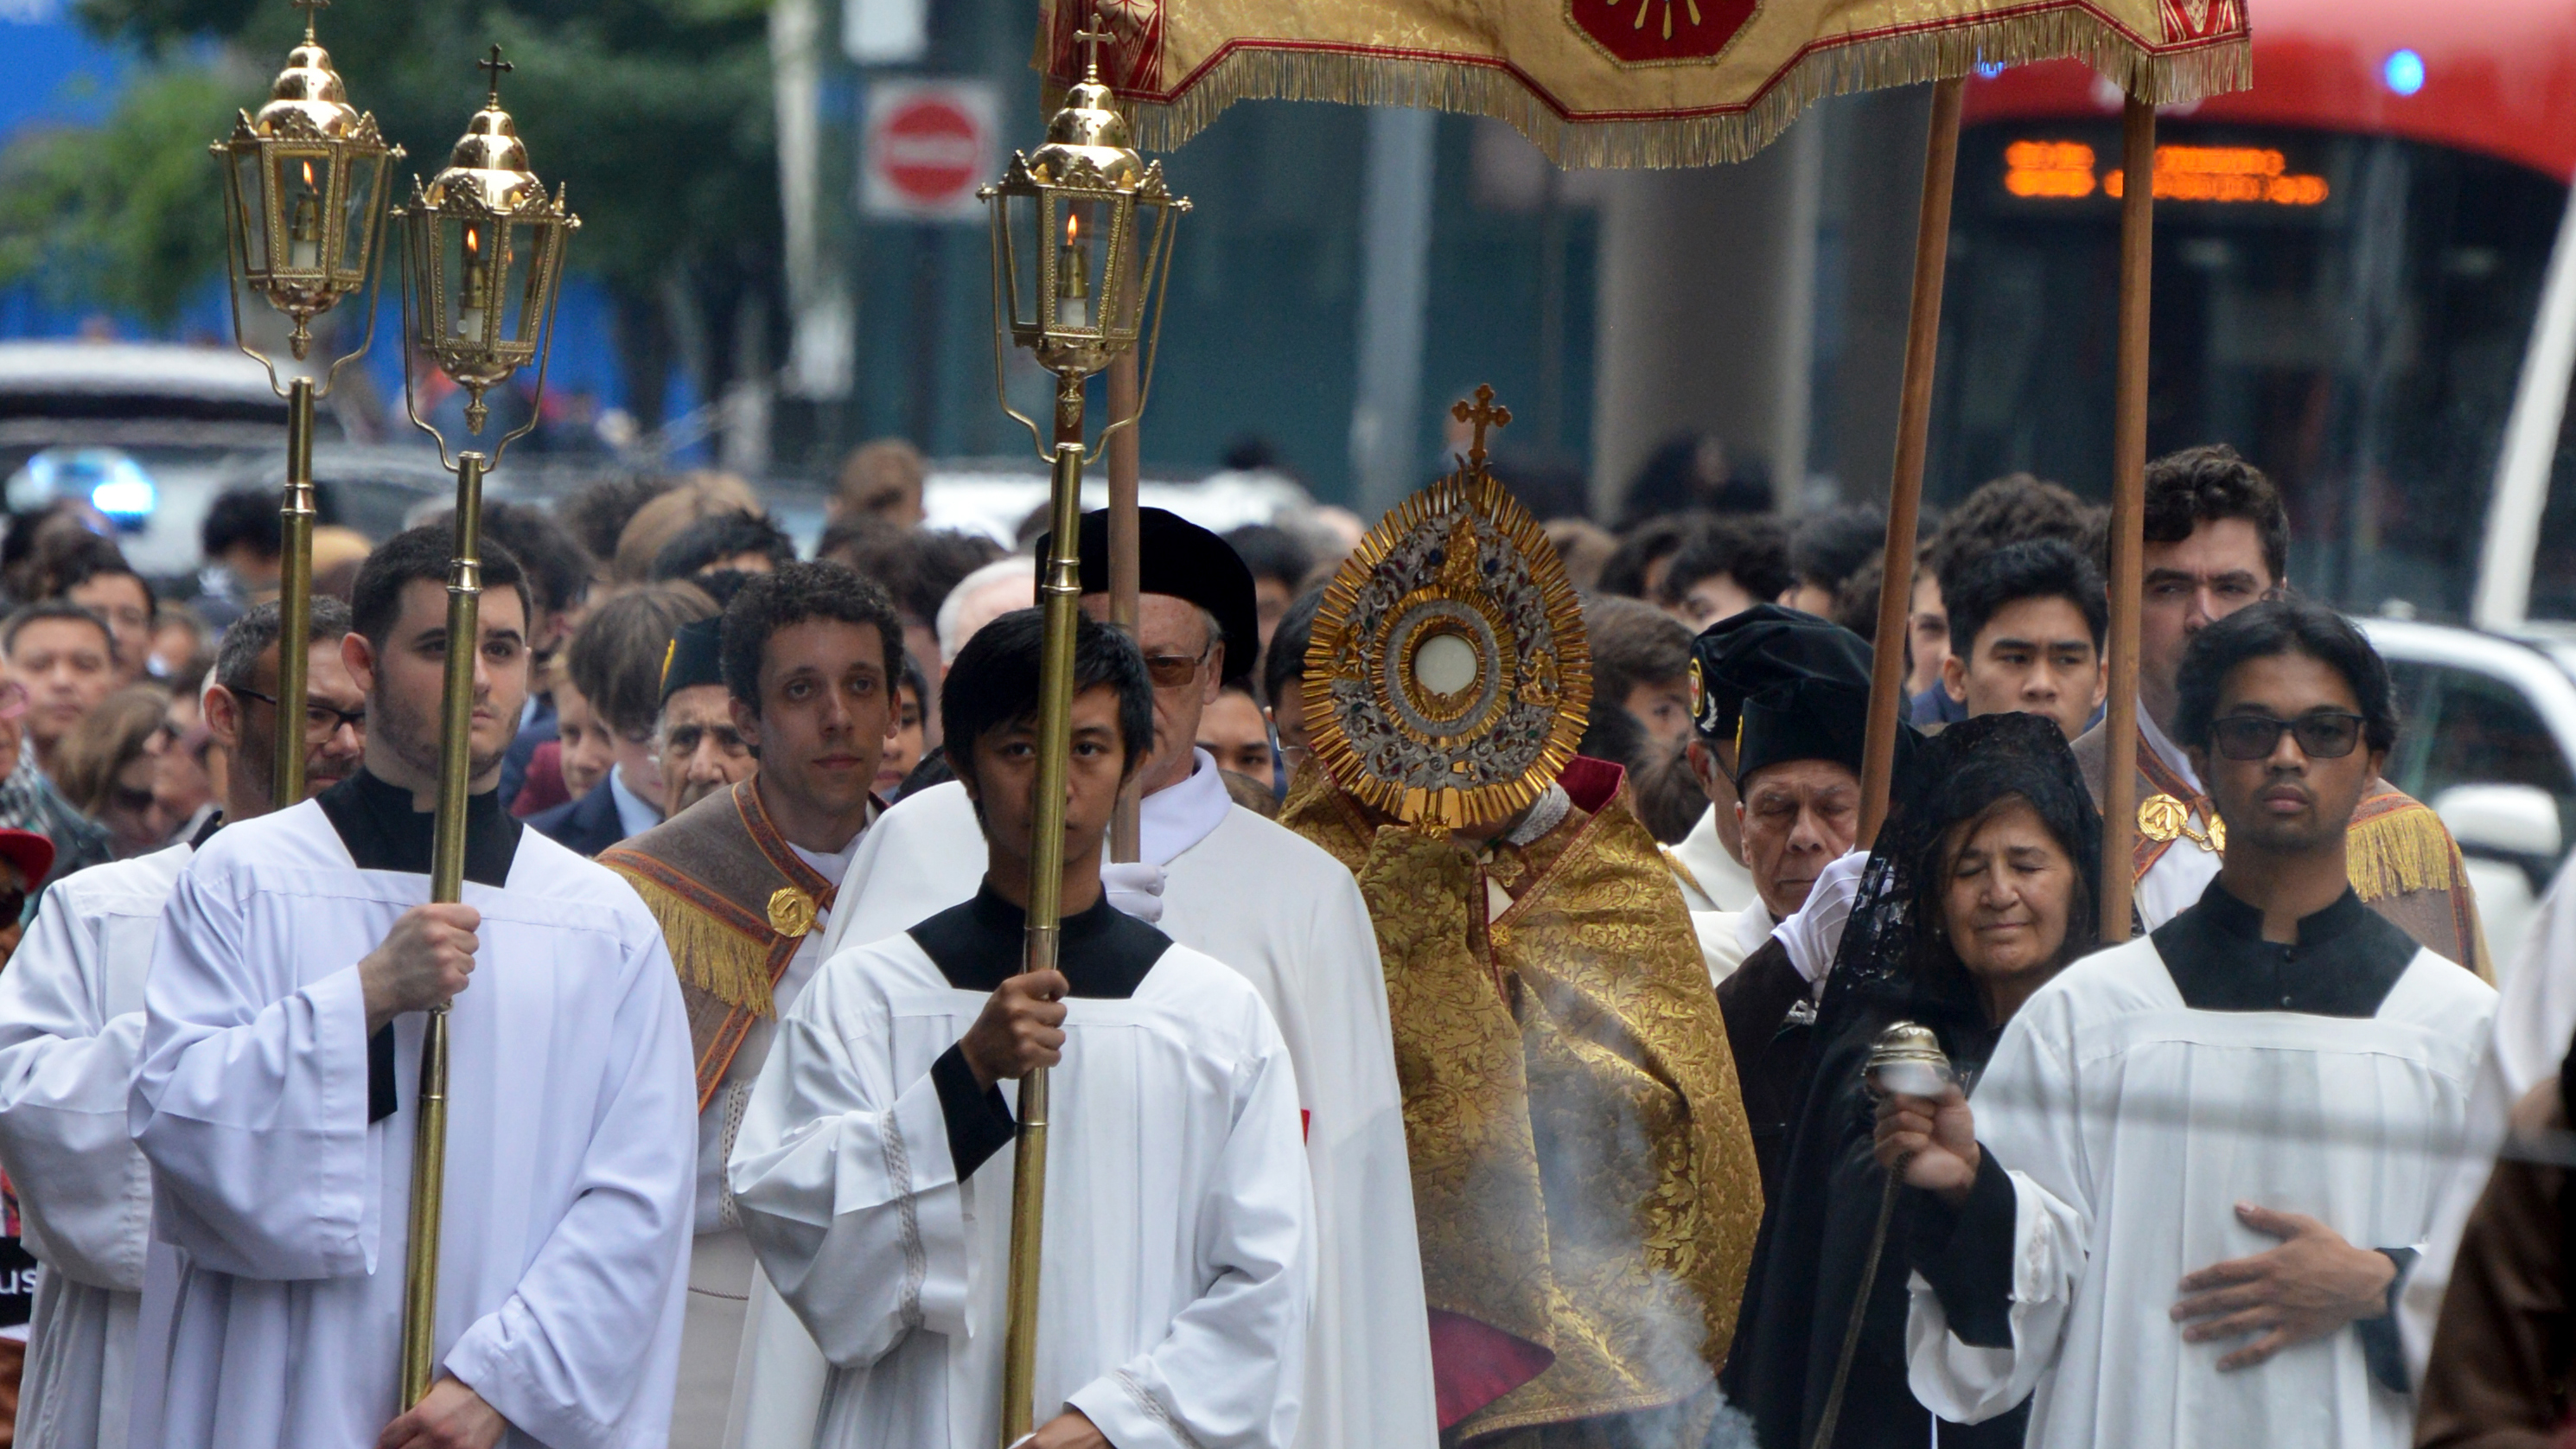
[(304, 207), (1449, 677), (483, 249), (1082, 237)]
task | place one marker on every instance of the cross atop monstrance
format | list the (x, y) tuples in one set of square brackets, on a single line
[(1485, 413), (308, 7)]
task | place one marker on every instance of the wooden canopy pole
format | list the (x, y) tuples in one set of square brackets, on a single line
[(1913, 432), (2128, 515), (1126, 835)]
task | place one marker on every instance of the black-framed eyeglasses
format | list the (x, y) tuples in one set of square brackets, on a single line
[(321, 721), (2322, 735)]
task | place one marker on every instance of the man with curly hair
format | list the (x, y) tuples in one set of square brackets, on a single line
[(744, 879)]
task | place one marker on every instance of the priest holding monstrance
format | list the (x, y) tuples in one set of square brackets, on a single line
[(1583, 1179)]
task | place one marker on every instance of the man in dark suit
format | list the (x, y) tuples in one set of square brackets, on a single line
[(618, 661)]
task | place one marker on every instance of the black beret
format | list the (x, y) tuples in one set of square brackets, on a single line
[(1761, 649), (1809, 719), (1177, 557), (695, 656)]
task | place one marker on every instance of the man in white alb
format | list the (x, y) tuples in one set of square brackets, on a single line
[(277, 1090), (1222, 880), (2179, 1207), (871, 1170), (71, 1018)]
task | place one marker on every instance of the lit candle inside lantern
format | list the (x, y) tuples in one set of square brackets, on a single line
[(1073, 276), (478, 285), (304, 225)]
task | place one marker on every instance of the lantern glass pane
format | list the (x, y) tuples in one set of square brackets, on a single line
[(1081, 227), (250, 212), (364, 178), (516, 278), (1024, 239), (1148, 232), (303, 186)]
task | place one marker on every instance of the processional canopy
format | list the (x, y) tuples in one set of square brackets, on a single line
[(1448, 671)]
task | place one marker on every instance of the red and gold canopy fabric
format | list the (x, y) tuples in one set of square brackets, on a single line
[(1619, 82)]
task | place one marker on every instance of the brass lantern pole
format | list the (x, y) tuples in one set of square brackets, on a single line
[(304, 208), (1077, 266), (483, 253)]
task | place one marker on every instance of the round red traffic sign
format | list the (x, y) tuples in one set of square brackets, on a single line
[(929, 150)]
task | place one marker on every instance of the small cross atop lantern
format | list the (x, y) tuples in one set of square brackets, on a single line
[(483, 256)]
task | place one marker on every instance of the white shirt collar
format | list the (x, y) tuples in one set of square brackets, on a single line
[(2167, 751), (1179, 816), (635, 814)]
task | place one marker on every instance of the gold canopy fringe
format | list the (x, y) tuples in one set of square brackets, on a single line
[(1485, 90), (2397, 852), (708, 955)]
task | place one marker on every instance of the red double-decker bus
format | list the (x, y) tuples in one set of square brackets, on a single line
[(2351, 263)]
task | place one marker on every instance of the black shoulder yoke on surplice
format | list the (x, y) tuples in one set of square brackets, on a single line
[(2346, 960), (382, 831), (1103, 953)]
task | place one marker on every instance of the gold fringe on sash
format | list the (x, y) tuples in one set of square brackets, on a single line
[(709, 955), (2403, 850)]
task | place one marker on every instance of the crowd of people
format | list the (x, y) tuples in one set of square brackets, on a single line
[(1578, 1128)]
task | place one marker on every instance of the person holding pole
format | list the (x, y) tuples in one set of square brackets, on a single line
[(275, 1095), (869, 1172), (2218, 540), (1222, 880), (2225, 1120), (71, 1022)]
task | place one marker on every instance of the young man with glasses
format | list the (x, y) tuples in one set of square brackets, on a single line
[(71, 1020), (1220, 879), (2218, 540), (2231, 1118)]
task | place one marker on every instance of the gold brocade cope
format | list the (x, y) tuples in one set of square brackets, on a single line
[(1583, 1178), (1618, 82)]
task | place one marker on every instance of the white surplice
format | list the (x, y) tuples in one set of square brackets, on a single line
[(71, 1026), (1711, 879), (1727, 937), (1288, 918), (571, 1123), (2535, 1013), (1179, 1253), (2130, 1125)]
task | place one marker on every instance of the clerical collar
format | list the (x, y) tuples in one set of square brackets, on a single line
[(1179, 816), (382, 830), (1103, 952), (2346, 960)]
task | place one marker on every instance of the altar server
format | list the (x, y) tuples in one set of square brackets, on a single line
[(2178, 1208), (871, 1170), (71, 1018), (277, 1089), (1220, 879)]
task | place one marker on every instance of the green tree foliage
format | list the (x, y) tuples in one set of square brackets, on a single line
[(656, 114)]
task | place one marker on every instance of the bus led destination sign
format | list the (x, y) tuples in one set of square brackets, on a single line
[(2069, 171)]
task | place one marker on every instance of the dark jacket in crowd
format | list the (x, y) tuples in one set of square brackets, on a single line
[(588, 825)]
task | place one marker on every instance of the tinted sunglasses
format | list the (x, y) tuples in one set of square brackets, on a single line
[(2324, 735)]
